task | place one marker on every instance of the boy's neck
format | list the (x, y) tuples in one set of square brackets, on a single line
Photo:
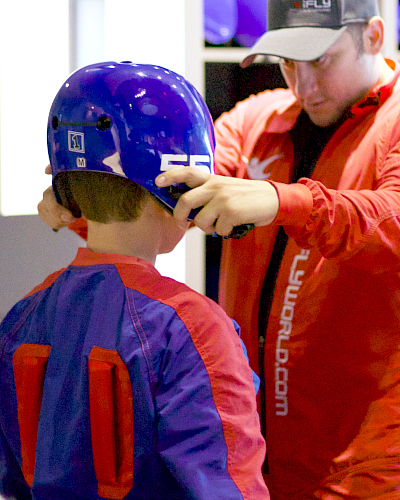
[(124, 238), (154, 232)]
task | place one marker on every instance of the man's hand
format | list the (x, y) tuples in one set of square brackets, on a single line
[(227, 201), (53, 214)]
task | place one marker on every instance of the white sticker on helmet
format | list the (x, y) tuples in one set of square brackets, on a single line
[(202, 162), (76, 142)]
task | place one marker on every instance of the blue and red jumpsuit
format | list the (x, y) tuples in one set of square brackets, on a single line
[(116, 382)]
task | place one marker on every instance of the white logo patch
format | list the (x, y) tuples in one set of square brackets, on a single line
[(256, 168), (76, 142), (114, 162)]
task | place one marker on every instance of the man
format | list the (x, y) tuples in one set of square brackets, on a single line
[(318, 297), (315, 286), (116, 382)]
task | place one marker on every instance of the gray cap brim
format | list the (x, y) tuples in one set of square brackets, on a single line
[(298, 44)]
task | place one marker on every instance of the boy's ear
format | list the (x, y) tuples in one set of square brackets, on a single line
[(374, 35)]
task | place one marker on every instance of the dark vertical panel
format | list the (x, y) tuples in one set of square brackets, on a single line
[(226, 84)]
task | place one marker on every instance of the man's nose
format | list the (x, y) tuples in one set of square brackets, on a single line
[(305, 79)]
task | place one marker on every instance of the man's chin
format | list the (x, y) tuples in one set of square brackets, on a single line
[(324, 120), (322, 116)]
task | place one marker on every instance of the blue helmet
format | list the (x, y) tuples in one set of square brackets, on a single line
[(131, 120)]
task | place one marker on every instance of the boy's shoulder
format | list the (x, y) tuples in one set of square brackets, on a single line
[(191, 306), (51, 278), (22, 308)]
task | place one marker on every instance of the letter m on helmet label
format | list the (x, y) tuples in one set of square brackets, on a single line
[(81, 162), (170, 161)]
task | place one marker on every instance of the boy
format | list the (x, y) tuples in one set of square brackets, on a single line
[(116, 382)]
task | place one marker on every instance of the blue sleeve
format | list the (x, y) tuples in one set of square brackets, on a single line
[(206, 409), (191, 440), (12, 482)]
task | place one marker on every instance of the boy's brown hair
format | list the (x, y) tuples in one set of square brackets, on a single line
[(100, 196)]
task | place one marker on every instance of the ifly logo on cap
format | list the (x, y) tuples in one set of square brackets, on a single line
[(321, 5), (76, 142)]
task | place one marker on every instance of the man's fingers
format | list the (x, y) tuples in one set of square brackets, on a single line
[(47, 169), (218, 217), (193, 177), (192, 199), (225, 202), (53, 214), (229, 202)]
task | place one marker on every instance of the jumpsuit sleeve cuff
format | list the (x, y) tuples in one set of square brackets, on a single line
[(295, 204)]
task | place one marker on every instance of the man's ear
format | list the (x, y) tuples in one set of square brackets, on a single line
[(374, 35)]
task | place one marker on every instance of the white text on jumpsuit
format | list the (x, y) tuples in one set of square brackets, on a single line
[(282, 354)]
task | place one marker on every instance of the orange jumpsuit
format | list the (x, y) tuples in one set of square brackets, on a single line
[(332, 345)]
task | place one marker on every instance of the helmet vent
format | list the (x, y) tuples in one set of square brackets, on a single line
[(103, 123)]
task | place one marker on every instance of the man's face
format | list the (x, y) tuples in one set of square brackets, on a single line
[(331, 84)]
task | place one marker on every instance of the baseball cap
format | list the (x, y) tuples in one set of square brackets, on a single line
[(303, 30)]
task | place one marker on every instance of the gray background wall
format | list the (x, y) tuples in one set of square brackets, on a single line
[(29, 251)]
